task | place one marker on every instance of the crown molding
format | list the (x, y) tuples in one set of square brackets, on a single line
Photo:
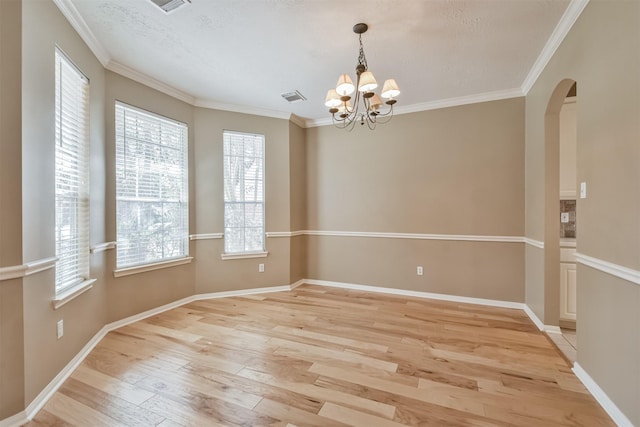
[(147, 80), (569, 18), (79, 24), (244, 109), (301, 122), (441, 103)]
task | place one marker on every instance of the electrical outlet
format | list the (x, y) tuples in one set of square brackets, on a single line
[(60, 328), (260, 268), (419, 271)]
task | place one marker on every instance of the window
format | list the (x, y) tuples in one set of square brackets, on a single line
[(152, 203), (71, 175), (243, 192)]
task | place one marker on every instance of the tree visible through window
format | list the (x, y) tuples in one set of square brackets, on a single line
[(71, 174), (152, 213), (243, 192)]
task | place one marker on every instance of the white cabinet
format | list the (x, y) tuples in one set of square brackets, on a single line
[(567, 284), (568, 146)]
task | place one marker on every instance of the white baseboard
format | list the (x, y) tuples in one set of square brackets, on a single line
[(16, 420), (42, 398), (607, 404), (550, 329), (535, 319), (53, 386), (418, 294)]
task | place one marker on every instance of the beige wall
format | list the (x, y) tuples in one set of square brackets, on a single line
[(84, 316), (600, 53), (212, 273), (453, 171), (298, 190), (457, 171), (11, 323), (129, 295)]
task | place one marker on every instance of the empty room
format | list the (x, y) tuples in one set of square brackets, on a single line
[(327, 213)]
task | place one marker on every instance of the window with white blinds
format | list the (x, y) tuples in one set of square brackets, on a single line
[(152, 203), (71, 174), (243, 157)]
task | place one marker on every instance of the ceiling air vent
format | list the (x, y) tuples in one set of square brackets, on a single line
[(294, 96), (170, 5)]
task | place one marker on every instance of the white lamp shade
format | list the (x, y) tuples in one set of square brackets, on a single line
[(390, 89), (345, 86), (367, 82), (333, 99), (374, 103)]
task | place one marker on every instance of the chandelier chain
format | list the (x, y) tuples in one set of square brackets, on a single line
[(362, 59)]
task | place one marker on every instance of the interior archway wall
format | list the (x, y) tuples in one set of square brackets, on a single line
[(552, 203)]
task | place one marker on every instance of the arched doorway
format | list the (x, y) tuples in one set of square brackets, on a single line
[(552, 228)]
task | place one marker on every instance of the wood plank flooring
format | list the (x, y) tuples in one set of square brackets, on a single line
[(325, 357)]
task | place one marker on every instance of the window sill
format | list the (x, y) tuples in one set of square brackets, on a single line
[(72, 293), (150, 267), (244, 255)]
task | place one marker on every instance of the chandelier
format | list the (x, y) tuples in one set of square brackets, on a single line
[(366, 103)]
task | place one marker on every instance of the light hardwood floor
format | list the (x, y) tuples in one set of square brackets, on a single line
[(325, 357)]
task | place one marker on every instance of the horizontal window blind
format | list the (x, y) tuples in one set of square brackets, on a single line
[(71, 174), (152, 204), (243, 159)]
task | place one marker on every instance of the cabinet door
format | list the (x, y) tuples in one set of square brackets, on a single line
[(567, 291)]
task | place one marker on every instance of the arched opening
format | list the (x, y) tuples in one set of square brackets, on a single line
[(552, 210)]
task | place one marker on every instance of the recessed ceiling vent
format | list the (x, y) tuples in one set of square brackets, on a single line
[(294, 96), (170, 5)]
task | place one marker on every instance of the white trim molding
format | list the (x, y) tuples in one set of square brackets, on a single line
[(101, 247), (42, 398), (534, 243), (78, 23), (150, 267), (441, 103), (418, 294), (149, 81), (12, 272), (607, 404), (245, 255), (271, 234), (16, 420), (73, 293), (534, 318), (206, 236), (549, 329), (625, 273), (569, 18), (32, 267), (244, 109), (385, 235)]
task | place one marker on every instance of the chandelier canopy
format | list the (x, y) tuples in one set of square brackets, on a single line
[(366, 103)]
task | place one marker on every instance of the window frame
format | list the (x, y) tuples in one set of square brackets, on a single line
[(183, 201), (228, 255), (77, 198)]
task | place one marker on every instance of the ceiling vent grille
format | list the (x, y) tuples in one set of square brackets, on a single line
[(170, 5), (294, 96)]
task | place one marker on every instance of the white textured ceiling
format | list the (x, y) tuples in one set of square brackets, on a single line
[(243, 54)]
